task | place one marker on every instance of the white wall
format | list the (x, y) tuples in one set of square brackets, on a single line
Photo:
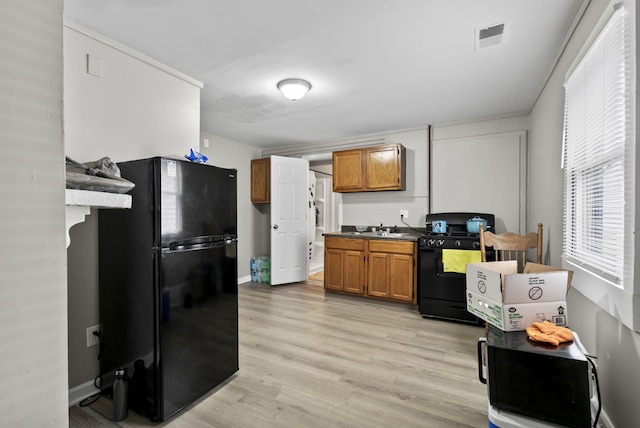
[(137, 109), (253, 224), (33, 298), (357, 207), (616, 346), (482, 174), (373, 208), (486, 132), (447, 131)]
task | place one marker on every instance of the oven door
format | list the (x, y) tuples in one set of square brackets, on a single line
[(441, 294)]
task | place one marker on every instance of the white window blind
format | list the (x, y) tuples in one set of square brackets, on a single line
[(596, 131)]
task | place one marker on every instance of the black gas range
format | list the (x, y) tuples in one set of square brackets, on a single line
[(441, 290), (450, 241)]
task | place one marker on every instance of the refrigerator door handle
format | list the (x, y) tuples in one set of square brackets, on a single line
[(201, 241), (189, 242)]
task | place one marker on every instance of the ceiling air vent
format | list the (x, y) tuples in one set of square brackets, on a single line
[(490, 36)]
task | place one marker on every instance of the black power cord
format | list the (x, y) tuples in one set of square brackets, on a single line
[(97, 382), (101, 342), (410, 227), (595, 378)]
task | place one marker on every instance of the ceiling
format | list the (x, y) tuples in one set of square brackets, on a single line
[(374, 65)]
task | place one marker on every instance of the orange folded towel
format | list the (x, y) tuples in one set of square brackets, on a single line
[(548, 332)]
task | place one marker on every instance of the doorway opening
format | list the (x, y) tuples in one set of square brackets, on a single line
[(326, 207)]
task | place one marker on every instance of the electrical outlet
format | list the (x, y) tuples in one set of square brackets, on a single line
[(404, 214), (92, 339)]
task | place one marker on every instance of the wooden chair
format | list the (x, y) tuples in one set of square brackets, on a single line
[(511, 246)]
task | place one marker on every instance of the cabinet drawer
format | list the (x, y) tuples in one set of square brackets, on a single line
[(397, 247), (344, 243)]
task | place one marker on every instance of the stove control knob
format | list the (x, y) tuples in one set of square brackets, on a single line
[(476, 244), (457, 243), (440, 242), (432, 242)]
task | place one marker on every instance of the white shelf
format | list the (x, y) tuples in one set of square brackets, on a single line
[(78, 204), (92, 199)]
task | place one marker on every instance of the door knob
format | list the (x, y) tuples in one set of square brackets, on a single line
[(275, 226)]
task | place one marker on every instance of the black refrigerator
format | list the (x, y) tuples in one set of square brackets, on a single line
[(168, 281)]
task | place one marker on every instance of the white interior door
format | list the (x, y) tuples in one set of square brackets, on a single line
[(289, 223)]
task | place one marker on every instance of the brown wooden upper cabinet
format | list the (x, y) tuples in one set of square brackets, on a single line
[(261, 181), (370, 169)]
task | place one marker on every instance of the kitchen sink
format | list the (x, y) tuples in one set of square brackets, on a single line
[(390, 235), (380, 234)]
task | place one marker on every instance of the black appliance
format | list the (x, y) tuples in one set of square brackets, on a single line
[(442, 294), (553, 384), (169, 284)]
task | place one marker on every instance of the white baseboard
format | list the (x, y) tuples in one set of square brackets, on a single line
[(603, 418), (315, 269), (244, 279), (80, 392), (604, 421)]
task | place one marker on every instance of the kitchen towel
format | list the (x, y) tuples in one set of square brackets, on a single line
[(456, 260)]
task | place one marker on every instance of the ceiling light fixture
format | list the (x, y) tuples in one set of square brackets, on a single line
[(294, 89)]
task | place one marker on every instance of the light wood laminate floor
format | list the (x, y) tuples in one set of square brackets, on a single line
[(315, 359)]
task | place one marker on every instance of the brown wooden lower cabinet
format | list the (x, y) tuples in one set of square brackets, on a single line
[(353, 271), (384, 269), (378, 285), (344, 265), (402, 277)]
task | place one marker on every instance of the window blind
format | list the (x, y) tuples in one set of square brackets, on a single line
[(596, 131)]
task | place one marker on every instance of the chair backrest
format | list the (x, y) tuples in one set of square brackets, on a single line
[(511, 246)]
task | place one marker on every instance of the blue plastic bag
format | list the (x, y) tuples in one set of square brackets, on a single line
[(196, 157)]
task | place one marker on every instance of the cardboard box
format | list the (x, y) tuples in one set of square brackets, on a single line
[(512, 301)]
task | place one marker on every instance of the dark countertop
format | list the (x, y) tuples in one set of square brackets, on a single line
[(402, 234)]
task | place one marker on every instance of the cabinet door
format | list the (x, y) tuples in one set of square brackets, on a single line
[(333, 269), (401, 277), (384, 168), (353, 263), (260, 181), (392, 270), (378, 285), (348, 171)]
